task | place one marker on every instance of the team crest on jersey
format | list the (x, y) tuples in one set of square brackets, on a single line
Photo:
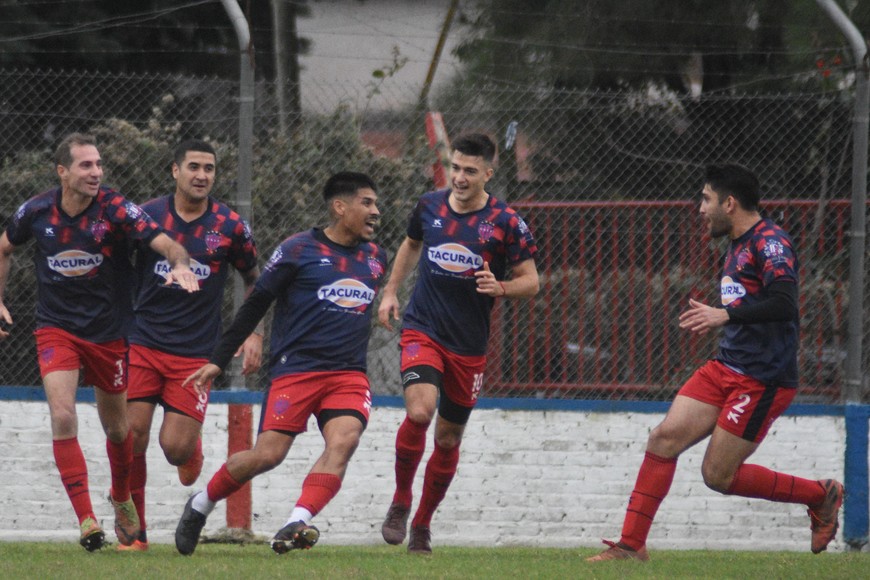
[(376, 268), (455, 258), (201, 271), (98, 230), (485, 229), (731, 290), (412, 350), (213, 241), (347, 293), (73, 263), (280, 406), (743, 259)]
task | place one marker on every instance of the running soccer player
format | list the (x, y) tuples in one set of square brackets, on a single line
[(736, 397), (81, 230), (174, 332), (467, 239), (324, 282)]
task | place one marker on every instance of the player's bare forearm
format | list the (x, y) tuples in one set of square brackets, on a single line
[(405, 261), (524, 281), (6, 249)]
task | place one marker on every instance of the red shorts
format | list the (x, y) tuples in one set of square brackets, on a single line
[(104, 363), (749, 407), (292, 399), (158, 375), (461, 376)]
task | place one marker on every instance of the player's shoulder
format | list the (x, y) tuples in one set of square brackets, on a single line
[(39, 202), (157, 203), (435, 197)]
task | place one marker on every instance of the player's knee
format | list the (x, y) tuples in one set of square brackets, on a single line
[(421, 415), (64, 424), (717, 479)]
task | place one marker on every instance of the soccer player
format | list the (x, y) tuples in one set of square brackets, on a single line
[(467, 239), (81, 230), (736, 397), (174, 332), (324, 282)]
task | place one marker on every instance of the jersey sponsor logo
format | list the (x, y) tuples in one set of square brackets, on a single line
[(276, 257), (201, 271), (731, 290), (455, 257), (133, 210), (485, 230), (347, 293), (72, 263), (774, 251), (98, 230)]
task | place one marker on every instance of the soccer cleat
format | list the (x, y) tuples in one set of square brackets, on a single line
[(824, 517), (126, 520), (189, 527), (189, 471), (395, 525), (420, 541), (137, 546), (93, 538), (295, 536), (619, 551)]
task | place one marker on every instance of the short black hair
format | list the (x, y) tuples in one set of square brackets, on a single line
[(346, 183), (63, 153), (734, 180), (475, 144), (192, 145)]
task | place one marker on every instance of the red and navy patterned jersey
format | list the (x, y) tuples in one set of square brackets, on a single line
[(765, 351), (169, 318), (82, 264), (325, 296), (445, 304)]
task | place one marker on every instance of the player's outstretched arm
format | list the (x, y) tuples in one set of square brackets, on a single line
[(404, 263), (6, 249), (179, 261), (202, 378)]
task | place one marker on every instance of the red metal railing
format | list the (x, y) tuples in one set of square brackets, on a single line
[(616, 275)]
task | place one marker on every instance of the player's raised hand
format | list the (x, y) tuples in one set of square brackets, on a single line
[(388, 309), (184, 277), (487, 284), (202, 378)]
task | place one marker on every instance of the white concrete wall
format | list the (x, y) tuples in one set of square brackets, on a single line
[(541, 478)]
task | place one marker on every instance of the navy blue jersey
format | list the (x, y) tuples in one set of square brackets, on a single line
[(766, 351), (445, 304), (82, 264), (169, 318), (324, 299)]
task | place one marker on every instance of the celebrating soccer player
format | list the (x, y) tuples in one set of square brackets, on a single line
[(82, 230), (324, 282), (736, 397), (174, 332), (467, 239)]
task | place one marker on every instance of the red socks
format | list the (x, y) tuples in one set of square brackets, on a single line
[(74, 475), (222, 485), (410, 445), (317, 491), (763, 483), (653, 483), (138, 477), (439, 473), (120, 459)]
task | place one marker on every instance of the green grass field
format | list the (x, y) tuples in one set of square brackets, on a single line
[(58, 560)]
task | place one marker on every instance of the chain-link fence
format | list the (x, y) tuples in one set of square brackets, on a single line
[(607, 181)]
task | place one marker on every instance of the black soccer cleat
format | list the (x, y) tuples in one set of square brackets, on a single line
[(295, 536), (189, 528)]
